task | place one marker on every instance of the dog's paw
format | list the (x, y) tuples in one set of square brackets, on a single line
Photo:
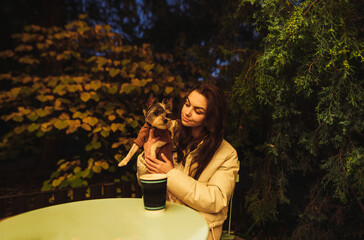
[(123, 163)]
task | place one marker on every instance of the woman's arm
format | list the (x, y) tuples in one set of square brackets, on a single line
[(212, 195)]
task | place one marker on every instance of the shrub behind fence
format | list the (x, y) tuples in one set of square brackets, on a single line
[(15, 204)]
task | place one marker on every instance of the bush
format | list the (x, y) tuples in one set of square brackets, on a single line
[(79, 84)]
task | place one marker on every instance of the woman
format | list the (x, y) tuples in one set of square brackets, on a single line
[(205, 165)]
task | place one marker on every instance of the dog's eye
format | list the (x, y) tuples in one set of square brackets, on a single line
[(156, 113)]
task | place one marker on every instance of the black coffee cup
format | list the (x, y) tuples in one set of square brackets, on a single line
[(154, 187)]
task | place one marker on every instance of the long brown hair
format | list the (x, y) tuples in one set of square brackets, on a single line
[(212, 134)]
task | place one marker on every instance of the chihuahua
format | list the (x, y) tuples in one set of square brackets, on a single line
[(156, 116)]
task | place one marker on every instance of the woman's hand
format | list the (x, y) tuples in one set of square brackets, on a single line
[(155, 165), (148, 145)]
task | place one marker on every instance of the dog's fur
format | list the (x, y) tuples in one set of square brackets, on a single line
[(157, 117)]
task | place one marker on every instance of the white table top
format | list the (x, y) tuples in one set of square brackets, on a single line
[(115, 219)]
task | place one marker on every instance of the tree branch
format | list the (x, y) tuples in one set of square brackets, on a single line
[(309, 7), (309, 69)]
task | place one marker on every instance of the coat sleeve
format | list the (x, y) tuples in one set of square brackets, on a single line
[(212, 195), (141, 168)]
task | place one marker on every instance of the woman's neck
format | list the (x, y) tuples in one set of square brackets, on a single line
[(198, 133)]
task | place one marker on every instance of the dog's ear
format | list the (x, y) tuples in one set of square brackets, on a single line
[(169, 103), (151, 100)]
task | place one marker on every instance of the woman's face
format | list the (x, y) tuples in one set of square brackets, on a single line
[(194, 112)]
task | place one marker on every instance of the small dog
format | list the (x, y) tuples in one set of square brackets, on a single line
[(157, 117)]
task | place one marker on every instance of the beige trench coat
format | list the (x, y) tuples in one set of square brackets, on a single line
[(211, 193)]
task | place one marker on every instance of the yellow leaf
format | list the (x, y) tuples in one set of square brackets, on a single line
[(20, 129), (60, 90), (77, 169), (118, 157), (155, 88), (6, 54), (33, 116), (126, 88), (23, 111), (117, 49), (33, 127), (96, 169), (44, 98), (17, 118), (96, 145), (42, 112), (115, 145), (85, 96), (111, 117), (87, 87), (58, 104), (14, 92), (23, 47), (27, 79), (40, 46), (105, 133), (120, 112), (136, 82), (46, 127), (79, 115), (101, 61), (95, 96), (112, 89), (59, 57), (145, 81), (113, 72), (70, 176), (147, 67), (60, 124), (86, 173), (55, 183), (105, 165), (97, 129), (114, 127), (95, 85), (64, 116), (73, 126), (72, 88), (125, 61), (79, 79), (134, 124), (86, 126), (90, 120), (168, 90)]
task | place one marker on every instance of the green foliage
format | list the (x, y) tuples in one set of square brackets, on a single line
[(81, 82), (301, 105)]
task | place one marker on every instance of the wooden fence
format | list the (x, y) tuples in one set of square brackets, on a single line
[(15, 204)]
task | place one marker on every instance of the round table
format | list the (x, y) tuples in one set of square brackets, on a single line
[(115, 219)]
